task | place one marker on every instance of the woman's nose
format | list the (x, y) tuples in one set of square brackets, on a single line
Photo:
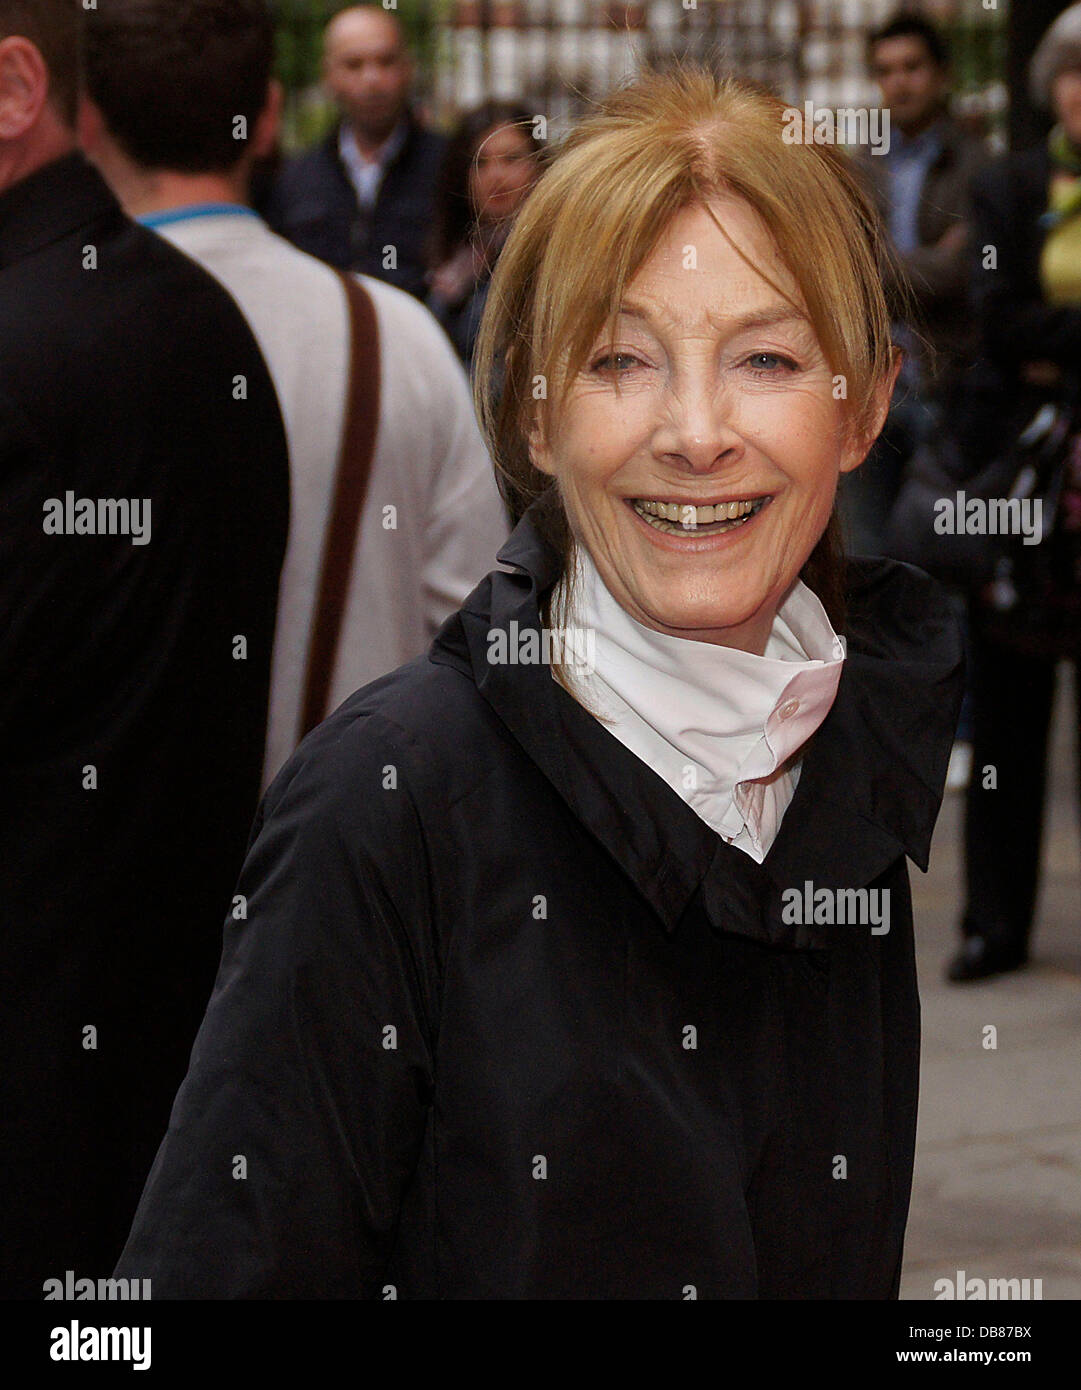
[(698, 428)]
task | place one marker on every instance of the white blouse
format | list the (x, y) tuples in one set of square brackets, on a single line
[(716, 723)]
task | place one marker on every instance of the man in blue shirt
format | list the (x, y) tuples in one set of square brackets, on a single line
[(922, 187)]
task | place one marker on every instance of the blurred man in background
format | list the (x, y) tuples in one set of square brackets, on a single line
[(163, 80), (363, 198), (922, 185), (144, 490)]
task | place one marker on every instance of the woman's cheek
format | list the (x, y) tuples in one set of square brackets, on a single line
[(602, 443)]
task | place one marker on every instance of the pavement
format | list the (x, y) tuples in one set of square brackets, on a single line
[(997, 1190)]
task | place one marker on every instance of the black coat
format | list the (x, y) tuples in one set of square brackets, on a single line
[(448, 1050), (314, 204), (461, 321), (1017, 324), (117, 382)]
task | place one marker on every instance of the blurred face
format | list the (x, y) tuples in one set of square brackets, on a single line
[(913, 85), (367, 71), (1066, 100), (502, 172), (698, 464)]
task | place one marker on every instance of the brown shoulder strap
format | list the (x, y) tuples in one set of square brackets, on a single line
[(351, 484)]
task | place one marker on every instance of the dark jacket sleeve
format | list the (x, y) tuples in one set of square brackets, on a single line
[(939, 274), (936, 273), (302, 1116), (1016, 323)]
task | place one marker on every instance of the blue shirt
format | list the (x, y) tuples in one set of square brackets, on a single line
[(367, 174), (907, 165)]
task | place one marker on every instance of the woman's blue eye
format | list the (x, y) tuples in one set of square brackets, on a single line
[(605, 363), (769, 361)]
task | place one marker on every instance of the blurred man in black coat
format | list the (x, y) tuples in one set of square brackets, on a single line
[(144, 489), (364, 198)]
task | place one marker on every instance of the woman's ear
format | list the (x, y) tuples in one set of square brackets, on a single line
[(540, 453), (859, 442)]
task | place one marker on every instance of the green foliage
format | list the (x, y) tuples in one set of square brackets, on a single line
[(979, 52)]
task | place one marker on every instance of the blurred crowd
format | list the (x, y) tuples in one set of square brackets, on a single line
[(988, 258), (300, 426)]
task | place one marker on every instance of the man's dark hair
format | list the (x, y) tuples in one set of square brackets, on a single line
[(53, 27), (171, 77), (911, 26)]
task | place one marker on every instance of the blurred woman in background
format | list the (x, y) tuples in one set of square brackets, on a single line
[(492, 162)]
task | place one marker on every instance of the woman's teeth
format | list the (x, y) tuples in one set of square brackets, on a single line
[(680, 518)]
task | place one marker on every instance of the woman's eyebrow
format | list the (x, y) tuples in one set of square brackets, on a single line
[(755, 318)]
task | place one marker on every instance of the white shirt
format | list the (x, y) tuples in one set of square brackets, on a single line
[(432, 519), (716, 723), (366, 174)]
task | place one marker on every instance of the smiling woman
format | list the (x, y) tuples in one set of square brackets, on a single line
[(743, 245), (517, 1003), (724, 398)]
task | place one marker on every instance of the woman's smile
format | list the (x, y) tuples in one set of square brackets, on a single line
[(689, 521)]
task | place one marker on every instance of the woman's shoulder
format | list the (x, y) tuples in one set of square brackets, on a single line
[(903, 683), (897, 612)]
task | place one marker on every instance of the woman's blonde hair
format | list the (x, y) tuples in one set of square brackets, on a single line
[(667, 141)]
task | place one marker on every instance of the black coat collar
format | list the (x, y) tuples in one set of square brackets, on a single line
[(871, 781), (50, 204)]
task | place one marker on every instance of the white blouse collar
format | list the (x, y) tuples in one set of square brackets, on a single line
[(715, 722)]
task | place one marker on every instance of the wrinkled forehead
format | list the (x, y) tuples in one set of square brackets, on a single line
[(714, 265)]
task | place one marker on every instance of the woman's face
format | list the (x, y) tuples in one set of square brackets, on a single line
[(1066, 99), (502, 172), (726, 402)]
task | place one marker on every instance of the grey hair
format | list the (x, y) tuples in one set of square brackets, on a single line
[(1059, 50)]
